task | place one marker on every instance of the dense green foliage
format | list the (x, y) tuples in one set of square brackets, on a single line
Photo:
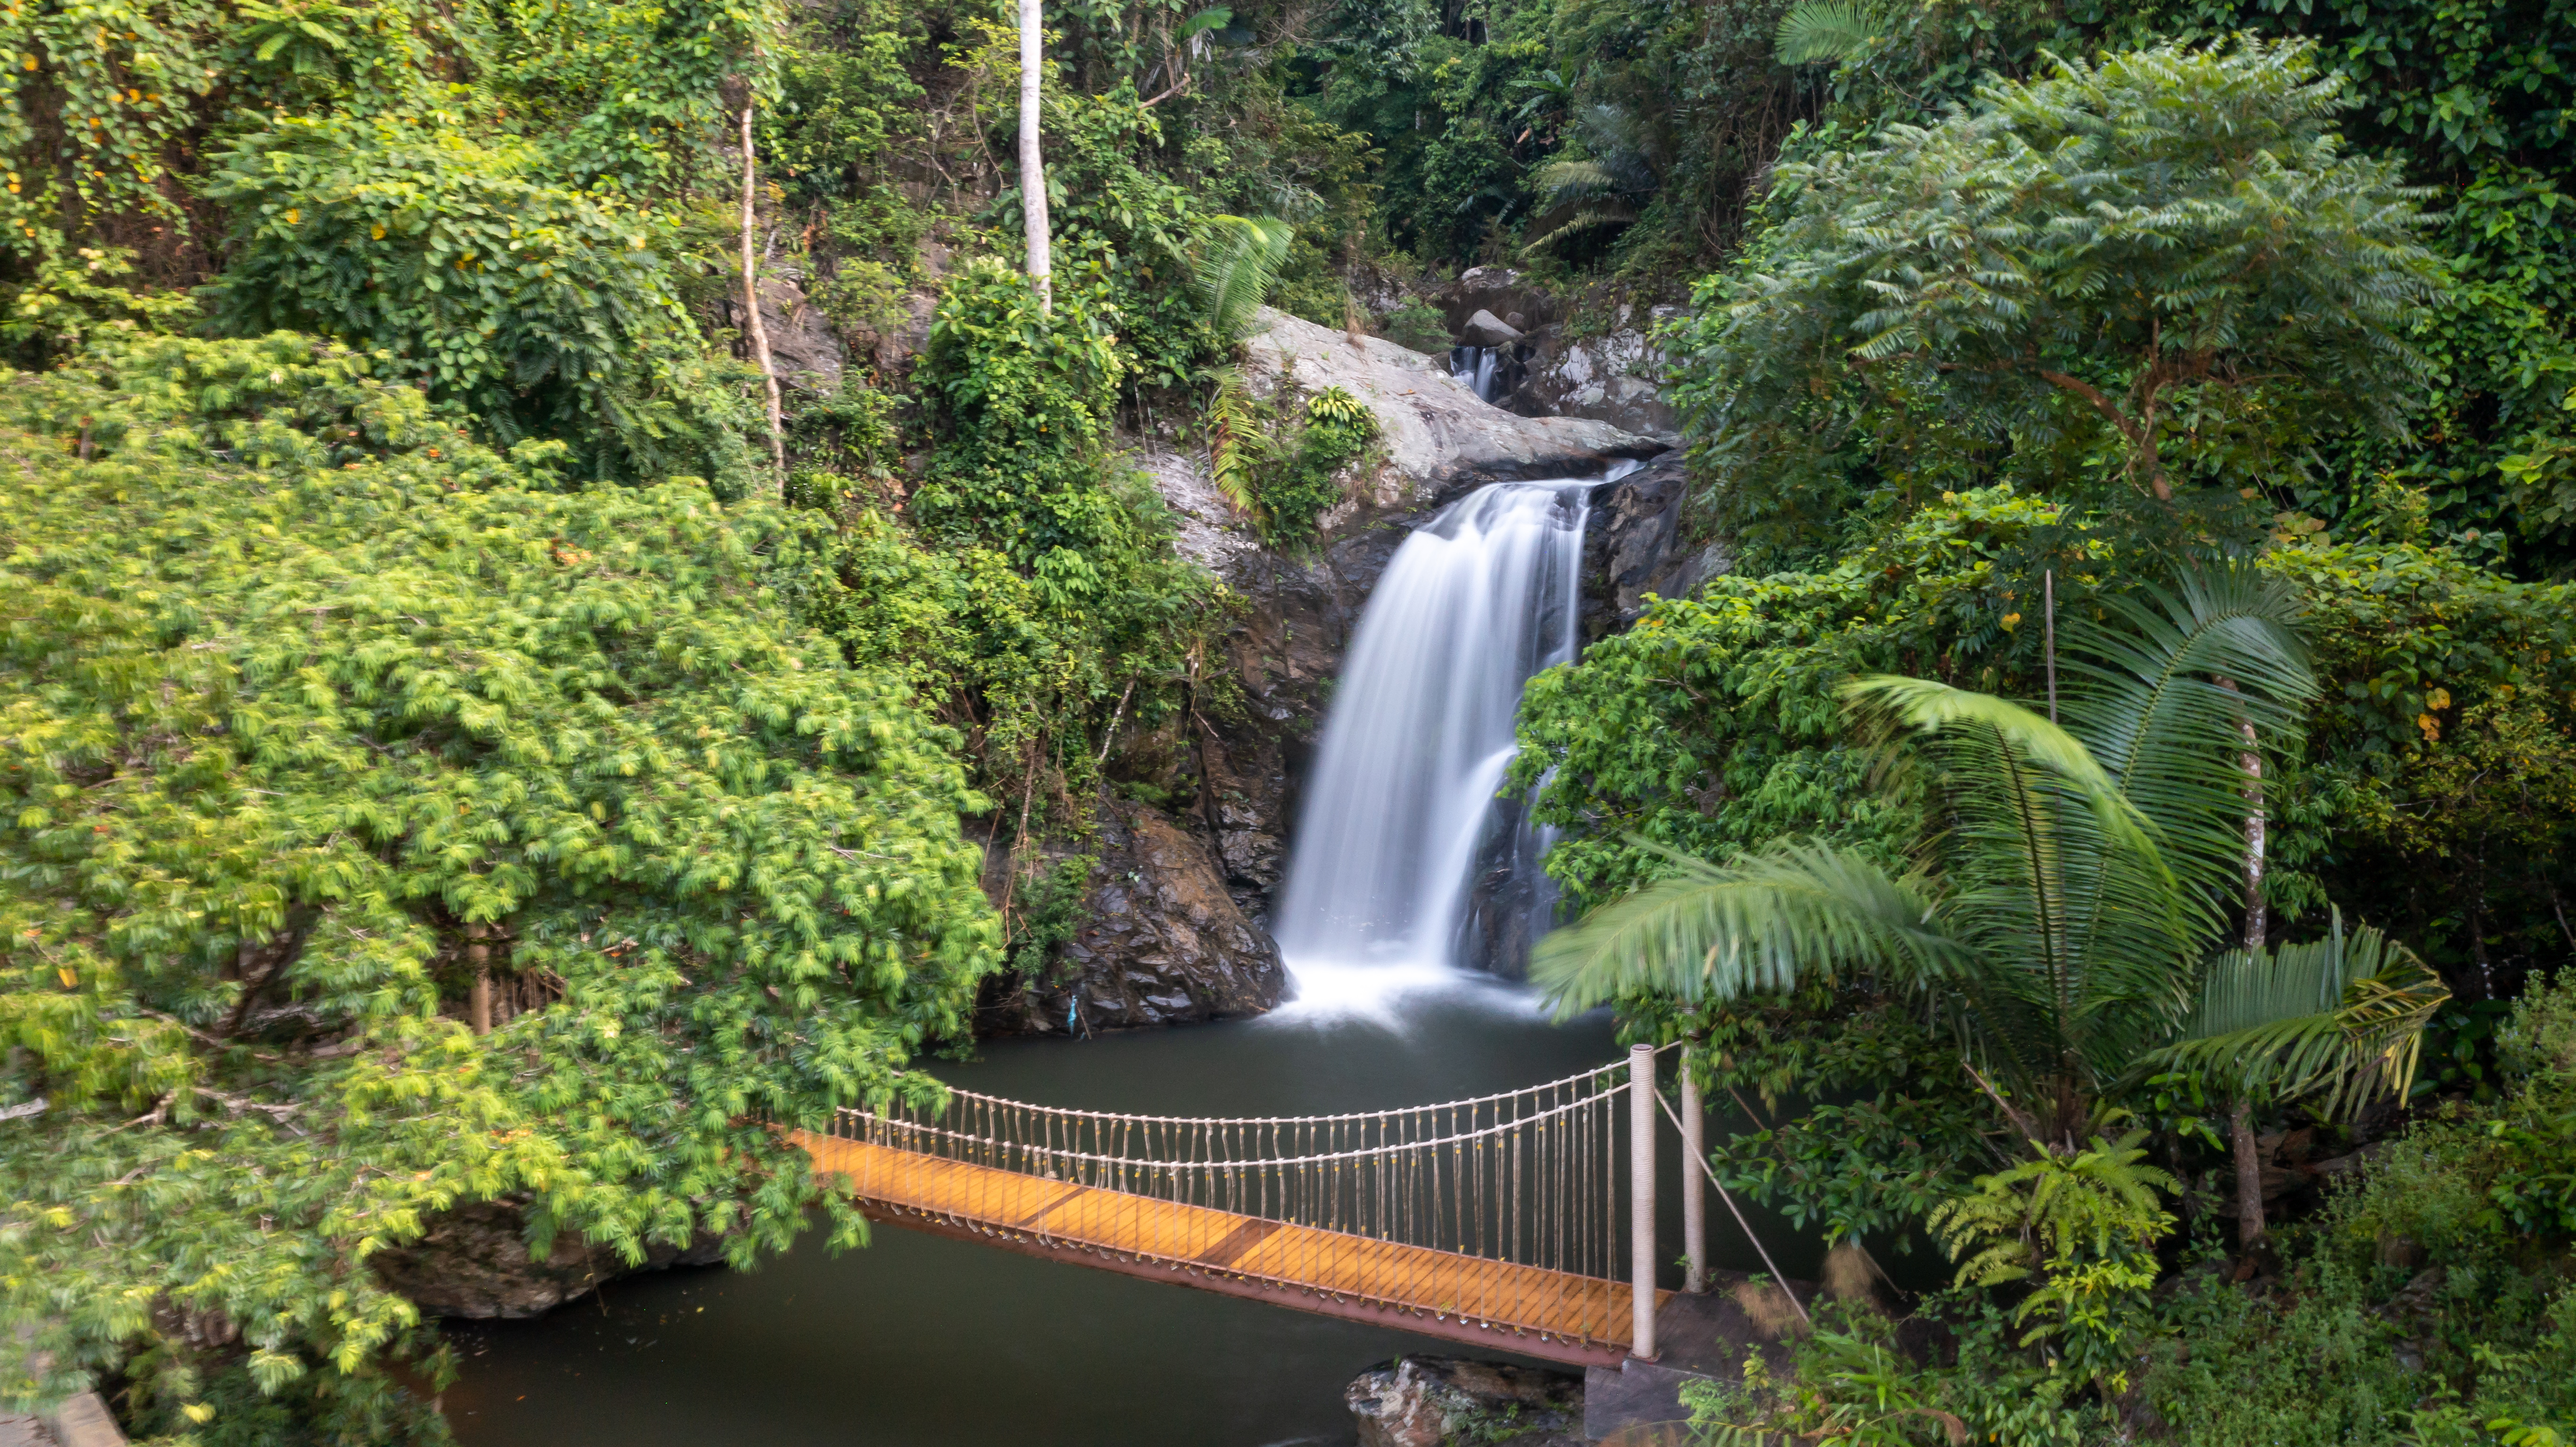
[(454, 633), (320, 710), (2158, 276), (2422, 1306)]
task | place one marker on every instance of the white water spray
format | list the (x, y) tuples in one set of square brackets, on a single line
[(1402, 798)]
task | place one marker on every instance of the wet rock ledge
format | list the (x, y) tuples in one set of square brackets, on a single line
[(1440, 1401)]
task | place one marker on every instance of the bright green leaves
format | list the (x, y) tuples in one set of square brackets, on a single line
[(2157, 273), (546, 311), (290, 753), (2084, 1223)]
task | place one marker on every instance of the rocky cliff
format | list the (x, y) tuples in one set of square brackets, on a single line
[(1157, 947), (1161, 942)]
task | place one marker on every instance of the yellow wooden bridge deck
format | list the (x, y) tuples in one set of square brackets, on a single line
[(1556, 1315)]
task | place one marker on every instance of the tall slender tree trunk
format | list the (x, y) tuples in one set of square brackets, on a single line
[(758, 333), (1033, 191), (2249, 1176), (478, 1007), (2258, 918)]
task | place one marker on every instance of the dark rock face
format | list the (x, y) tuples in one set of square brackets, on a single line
[(1161, 943), (473, 1262), (1439, 1401), (1632, 546), (801, 342), (1613, 378)]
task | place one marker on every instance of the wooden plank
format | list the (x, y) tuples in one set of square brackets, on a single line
[(1542, 1312)]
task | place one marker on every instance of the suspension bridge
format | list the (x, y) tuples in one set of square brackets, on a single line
[(1523, 1220)]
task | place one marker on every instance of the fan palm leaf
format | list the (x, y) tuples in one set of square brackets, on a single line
[(2052, 871), (2163, 693), (1236, 443)]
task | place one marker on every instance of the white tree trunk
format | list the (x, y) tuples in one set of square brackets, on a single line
[(759, 334), (1033, 192)]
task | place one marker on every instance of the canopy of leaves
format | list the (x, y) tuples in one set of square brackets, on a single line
[(543, 311), (316, 708), (2164, 268)]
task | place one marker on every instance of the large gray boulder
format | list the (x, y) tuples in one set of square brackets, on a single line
[(1615, 377), (1485, 329), (1440, 438)]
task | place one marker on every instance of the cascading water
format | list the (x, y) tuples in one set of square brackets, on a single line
[(1401, 810), (1480, 368)]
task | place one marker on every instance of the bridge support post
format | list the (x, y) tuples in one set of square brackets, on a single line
[(1694, 1185), (1641, 1197)]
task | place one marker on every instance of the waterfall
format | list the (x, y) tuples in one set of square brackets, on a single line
[(1480, 368), (1400, 809)]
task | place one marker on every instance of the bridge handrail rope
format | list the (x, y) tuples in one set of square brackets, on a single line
[(1058, 1153), (1616, 1067)]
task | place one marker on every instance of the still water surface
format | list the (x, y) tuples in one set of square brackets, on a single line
[(918, 1341)]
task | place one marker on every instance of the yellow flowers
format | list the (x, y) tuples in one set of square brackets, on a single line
[(294, 216)]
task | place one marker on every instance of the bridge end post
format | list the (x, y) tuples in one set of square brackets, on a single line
[(1641, 1197), (1694, 1186)]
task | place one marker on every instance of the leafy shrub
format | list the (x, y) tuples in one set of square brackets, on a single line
[(2084, 1226), (1413, 324), (317, 712), (1337, 432), (546, 312), (1861, 353), (1023, 413), (1035, 585)]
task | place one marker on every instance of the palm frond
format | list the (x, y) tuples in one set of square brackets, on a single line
[(1562, 179), (1234, 266), (1566, 222), (1752, 926), (2054, 876), (2162, 693), (1821, 30), (1236, 442), (2344, 1014)]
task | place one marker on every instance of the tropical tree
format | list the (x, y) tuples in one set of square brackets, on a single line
[(2071, 886), (2162, 267)]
